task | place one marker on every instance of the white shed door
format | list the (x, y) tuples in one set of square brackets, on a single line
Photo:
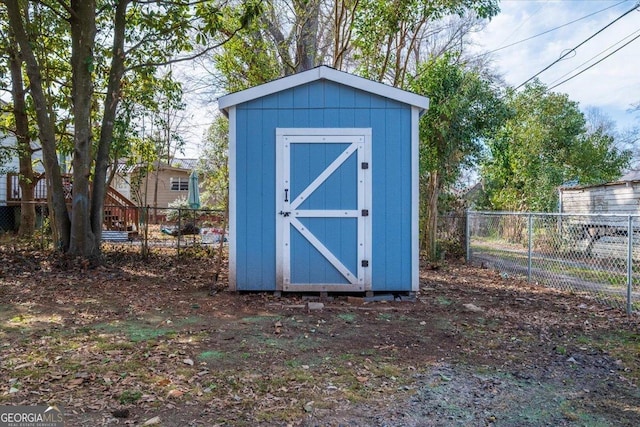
[(323, 209)]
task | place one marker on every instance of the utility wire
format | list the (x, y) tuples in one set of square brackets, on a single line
[(554, 29), (595, 63), (567, 53), (595, 56)]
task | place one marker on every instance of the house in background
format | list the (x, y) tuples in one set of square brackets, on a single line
[(10, 192), (618, 197), (128, 189), (161, 186)]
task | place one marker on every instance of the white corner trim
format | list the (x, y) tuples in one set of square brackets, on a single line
[(232, 200), (415, 199)]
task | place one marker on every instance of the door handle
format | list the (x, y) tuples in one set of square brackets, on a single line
[(286, 194)]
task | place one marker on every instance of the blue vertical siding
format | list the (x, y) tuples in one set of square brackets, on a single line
[(324, 104)]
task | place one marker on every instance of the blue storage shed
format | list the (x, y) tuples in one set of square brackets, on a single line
[(323, 185)]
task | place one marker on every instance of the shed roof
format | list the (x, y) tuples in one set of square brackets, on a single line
[(630, 178), (322, 73)]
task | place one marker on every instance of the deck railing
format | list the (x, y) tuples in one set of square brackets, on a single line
[(120, 213)]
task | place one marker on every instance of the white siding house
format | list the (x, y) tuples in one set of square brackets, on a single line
[(619, 197), (10, 166)]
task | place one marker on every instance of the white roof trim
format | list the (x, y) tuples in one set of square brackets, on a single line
[(322, 73)]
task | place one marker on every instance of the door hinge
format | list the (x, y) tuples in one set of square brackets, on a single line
[(365, 165), (365, 263), (365, 212)]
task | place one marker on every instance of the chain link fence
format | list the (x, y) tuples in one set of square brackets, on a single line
[(588, 253), (124, 228)]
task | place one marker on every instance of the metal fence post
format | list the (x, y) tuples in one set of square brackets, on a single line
[(530, 247), (629, 263), (467, 236), (179, 229)]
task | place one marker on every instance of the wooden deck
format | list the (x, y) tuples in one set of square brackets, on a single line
[(120, 213)]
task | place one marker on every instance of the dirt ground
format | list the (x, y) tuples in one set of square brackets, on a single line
[(143, 342)]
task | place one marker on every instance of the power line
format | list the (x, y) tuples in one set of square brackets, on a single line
[(595, 63), (539, 8), (555, 28), (567, 53), (595, 56)]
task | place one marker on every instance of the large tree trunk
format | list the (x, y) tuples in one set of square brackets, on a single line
[(27, 178), (46, 126), (307, 15), (430, 224), (108, 120), (83, 32)]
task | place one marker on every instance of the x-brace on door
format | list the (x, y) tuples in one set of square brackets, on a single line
[(323, 209)]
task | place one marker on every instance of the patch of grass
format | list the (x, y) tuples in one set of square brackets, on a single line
[(386, 370), (440, 300), (128, 397), (444, 324), (561, 350), (292, 363), (582, 339), (260, 319), (384, 316), (347, 317), (210, 355), (190, 320), (367, 352), (300, 375), (623, 345), (135, 331), (20, 318)]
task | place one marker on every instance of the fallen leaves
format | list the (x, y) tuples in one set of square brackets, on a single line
[(175, 394), (133, 338)]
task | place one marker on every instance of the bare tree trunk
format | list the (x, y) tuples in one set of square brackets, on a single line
[(343, 16), (83, 32), (108, 119), (46, 126), (27, 177), (430, 224), (308, 15)]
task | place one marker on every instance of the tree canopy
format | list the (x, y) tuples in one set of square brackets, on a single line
[(94, 70), (465, 108), (542, 145), (100, 45)]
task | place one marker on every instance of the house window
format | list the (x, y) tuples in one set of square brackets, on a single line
[(179, 184)]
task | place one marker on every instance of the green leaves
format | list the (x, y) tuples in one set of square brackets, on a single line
[(213, 163), (464, 109), (545, 144), (387, 32)]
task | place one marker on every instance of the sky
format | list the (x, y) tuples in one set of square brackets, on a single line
[(611, 86)]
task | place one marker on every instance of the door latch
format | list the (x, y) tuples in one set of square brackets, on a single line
[(285, 214)]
